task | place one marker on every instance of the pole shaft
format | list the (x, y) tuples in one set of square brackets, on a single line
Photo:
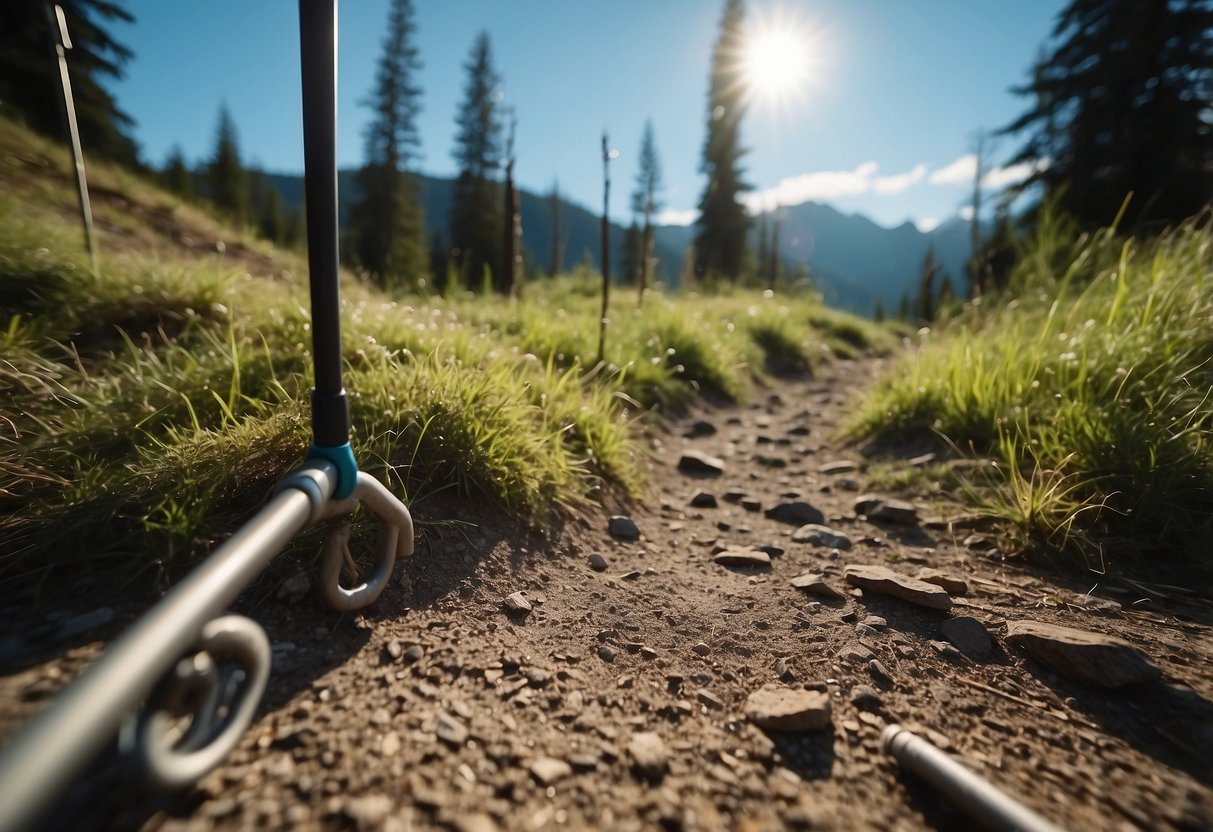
[(318, 52)]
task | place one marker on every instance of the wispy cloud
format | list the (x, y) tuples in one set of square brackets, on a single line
[(959, 172), (674, 217), (899, 182), (927, 224), (814, 187), (1012, 174)]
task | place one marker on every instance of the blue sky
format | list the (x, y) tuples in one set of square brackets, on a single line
[(881, 123)]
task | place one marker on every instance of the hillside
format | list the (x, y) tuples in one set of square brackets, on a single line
[(853, 261)]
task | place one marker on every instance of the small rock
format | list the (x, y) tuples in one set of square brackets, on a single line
[(950, 653), (391, 744), (517, 602), (704, 499), (886, 510), (866, 698), (968, 635), (648, 653), (847, 484), (876, 621), (796, 513), (598, 562), (701, 464), (606, 653), (649, 756), (819, 535), (368, 811), (622, 527), (783, 672), (710, 699), (815, 582), (701, 649), (840, 466), (787, 709), (1083, 656), (879, 672), (954, 586), (548, 770), (450, 730), (747, 558), (700, 427), (751, 504), (867, 503), (395, 649), (412, 654), (865, 630), (295, 588), (887, 582)]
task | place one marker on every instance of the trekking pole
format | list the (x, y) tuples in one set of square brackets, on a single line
[(185, 661)]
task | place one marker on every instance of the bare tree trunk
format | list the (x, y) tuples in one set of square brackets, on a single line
[(976, 278), (512, 222), (606, 246)]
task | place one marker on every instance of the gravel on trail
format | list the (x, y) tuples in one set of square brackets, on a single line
[(696, 660)]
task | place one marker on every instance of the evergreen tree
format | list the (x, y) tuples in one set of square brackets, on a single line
[(272, 222), (556, 211), (176, 175), (645, 201), (475, 202), (723, 224), (227, 181), (1122, 104), (630, 264), (29, 76), (925, 306), (387, 224)]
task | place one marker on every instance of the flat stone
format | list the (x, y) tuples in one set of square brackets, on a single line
[(838, 466), (879, 672), (788, 709), (704, 499), (796, 513), (549, 770), (823, 536), (875, 507), (748, 557), (622, 527), (649, 756), (700, 427), (815, 582), (598, 562), (1083, 656), (450, 730), (701, 649), (606, 653), (517, 602), (969, 636), (697, 462), (866, 698), (887, 582), (954, 586), (711, 700)]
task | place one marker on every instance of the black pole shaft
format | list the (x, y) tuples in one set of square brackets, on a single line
[(318, 51)]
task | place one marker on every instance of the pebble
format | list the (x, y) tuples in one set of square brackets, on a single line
[(775, 708), (710, 699), (954, 586), (368, 811), (783, 672), (866, 630), (795, 512), (876, 621), (824, 536), (968, 635), (839, 466), (622, 527), (549, 770), (697, 462), (701, 649), (815, 583), (866, 698), (750, 558), (517, 602), (880, 672), (598, 562), (700, 427), (450, 730), (704, 499), (412, 653), (649, 756), (887, 582), (606, 653)]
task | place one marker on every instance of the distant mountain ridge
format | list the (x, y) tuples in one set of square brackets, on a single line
[(854, 262)]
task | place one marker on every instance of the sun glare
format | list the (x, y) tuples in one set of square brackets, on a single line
[(776, 62)]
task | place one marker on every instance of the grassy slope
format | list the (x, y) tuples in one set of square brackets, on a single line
[(147, 408), (1091, 390)]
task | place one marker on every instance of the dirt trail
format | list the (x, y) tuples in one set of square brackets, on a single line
[(620, 700)]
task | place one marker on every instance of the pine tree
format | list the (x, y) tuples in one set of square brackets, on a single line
[(272, 222), (556, 211), (29, 77), (925, 305), (630, 262), (387, 224), (176, 175), (475, 202), (226, 177), (723, 224), (645, 201), (1122, 104)]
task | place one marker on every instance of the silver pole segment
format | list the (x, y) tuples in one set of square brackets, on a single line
[(62, 41), (44, 757), (973, 795)]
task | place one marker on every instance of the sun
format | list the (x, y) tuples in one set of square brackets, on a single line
[(776, 62)]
